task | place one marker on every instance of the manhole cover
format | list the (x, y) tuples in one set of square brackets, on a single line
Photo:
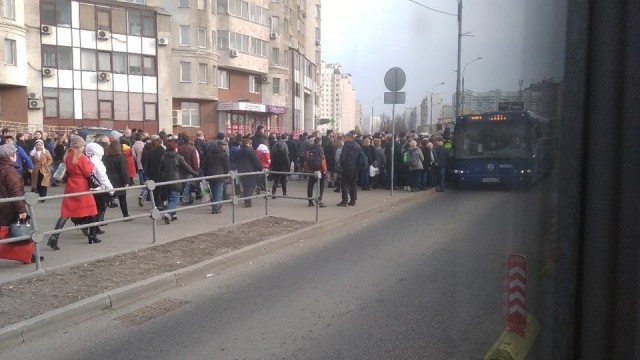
[(150, 311)]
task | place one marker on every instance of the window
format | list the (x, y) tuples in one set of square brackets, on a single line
[(141, 2), (276, 85), (185, 38), (119, 64), (259, 15), (258, 47), (185, 71), (49, 56), (202, 38), (275, 24), (202, 4), (63, 12), (150, 110), (183, 3), (149, 66), (9, 9), (134, 24), (65, 58), (215, 76), (223, 79), (148, 24), (239, 42), (88, 60), (119, 21), (275, 56), (87, 17), (48, 15), (213, 40), (104, 61), (202, 73), (10, 52), (223, 39), (190, 114), (135, 64), (104, 18), (254, 84), (223, 6), (58, 103), (286, 58)]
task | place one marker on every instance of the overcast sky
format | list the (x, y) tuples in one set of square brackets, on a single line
[(517, 39)]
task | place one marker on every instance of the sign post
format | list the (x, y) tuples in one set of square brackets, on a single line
[(394, 80)]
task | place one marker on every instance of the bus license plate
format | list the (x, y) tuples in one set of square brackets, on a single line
[(490, 180)]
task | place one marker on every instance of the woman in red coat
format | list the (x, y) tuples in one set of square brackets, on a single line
[(131, 164), (79, 168)]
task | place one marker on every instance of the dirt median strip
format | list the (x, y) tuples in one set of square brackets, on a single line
[(24, 299)]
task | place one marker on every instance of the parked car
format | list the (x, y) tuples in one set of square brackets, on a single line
[(89, 133)]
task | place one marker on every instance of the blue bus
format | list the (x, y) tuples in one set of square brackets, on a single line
[(504, 148)]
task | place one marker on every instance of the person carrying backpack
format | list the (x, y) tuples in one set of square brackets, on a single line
[(315, 161), (280, 162)]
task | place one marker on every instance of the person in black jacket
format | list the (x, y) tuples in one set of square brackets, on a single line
[(293, 152), (116, 166), (441, 156), (172, 167), (280, 161), (216, 162), (247, 161), (349, 165), (316, 146)]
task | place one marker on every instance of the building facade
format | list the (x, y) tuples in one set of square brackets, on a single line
[(337, 98), (177, 66)]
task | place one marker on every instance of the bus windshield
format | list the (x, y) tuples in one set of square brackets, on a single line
[(492, 140)]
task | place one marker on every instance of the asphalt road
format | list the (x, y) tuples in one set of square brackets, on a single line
[(425, 281)]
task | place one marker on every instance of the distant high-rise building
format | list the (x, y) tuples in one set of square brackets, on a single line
[(337, 97)]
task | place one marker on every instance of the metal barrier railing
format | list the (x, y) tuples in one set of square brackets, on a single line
[(37, 236)]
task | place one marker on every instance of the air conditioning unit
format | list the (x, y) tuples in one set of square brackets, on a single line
[(265, 79), (46, 29), (35, 104), (104, 76), (176, 116), (103, 35), (48, 72), (33, 96), (274, 35), (163, 41), (233, 53), (317, 42)]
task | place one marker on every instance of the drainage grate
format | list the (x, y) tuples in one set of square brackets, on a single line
[(150, 311)]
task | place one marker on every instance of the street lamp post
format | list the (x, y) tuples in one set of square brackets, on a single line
[(371, 121), (463, 70), (431, 107), (459, 55)]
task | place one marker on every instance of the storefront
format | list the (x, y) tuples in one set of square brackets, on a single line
[(243, 117)]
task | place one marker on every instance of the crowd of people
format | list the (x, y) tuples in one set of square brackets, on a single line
[(343, 162)]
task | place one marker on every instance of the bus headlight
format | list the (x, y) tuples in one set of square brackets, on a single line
[(521, 171), (528, 171)]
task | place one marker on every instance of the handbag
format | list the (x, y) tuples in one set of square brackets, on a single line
[(61, 172), (93, 181), (20, 228)]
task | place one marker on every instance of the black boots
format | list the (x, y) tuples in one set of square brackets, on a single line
[(53, 239), (93, 239)]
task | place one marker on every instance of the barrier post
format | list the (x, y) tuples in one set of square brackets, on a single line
[(31, 199), (517, 301), (318, 176), (234, 198), (155, 213), (265, 174)]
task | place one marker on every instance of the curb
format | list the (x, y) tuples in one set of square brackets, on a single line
[(58, 319), (510, 346)]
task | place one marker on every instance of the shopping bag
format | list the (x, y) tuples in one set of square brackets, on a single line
[(373, 171), (20, 228), (60, 172), (205, 191)]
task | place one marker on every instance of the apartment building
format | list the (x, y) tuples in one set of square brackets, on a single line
[(337, 98), (172, 65)]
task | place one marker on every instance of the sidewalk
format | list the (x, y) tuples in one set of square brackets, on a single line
[(137, 234)]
